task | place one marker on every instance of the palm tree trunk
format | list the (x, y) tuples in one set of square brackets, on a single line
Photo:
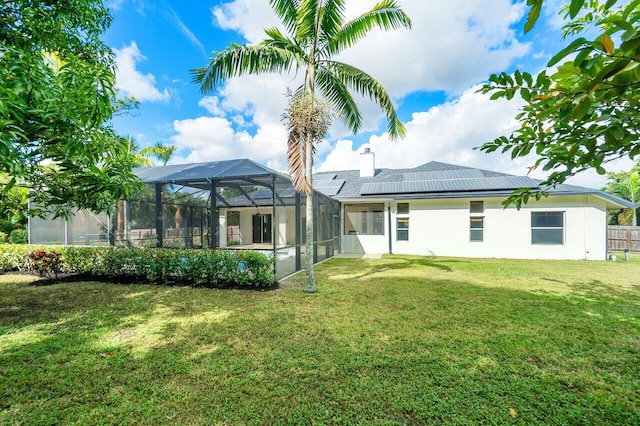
[(309, 279)]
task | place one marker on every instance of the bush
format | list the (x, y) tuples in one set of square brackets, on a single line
[(14, 257), (45, 263), (19, 236), (215, 268)]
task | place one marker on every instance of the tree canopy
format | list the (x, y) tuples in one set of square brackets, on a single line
[(56, 100), (583, 110)]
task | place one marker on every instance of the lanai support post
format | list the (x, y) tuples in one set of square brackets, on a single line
[(314, 199), (159, 216), (298, 216), (214, 220)]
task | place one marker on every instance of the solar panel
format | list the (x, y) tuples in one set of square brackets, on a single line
[(329, 187), (443, 175)]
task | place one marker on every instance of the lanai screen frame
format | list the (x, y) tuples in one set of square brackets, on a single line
[(238, 174)]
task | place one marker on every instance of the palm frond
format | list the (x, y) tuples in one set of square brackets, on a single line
[(385, 15), (278, 40), (306, 21), (337, 94), (367, 86), (239, 60), (296, 161), (332, 19), (287, 11)]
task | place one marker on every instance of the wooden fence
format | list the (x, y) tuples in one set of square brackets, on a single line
[(624, 237)]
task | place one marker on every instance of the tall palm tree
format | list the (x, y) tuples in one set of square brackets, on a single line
[(317, 33)]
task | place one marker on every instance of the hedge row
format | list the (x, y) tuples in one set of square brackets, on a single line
[(216, 268)]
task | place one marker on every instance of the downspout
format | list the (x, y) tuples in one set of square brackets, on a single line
[(584, 233), (390, 233)]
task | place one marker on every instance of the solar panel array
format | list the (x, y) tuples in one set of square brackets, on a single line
[(451, 185)]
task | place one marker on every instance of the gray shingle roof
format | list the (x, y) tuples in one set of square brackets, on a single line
[(439, 180)]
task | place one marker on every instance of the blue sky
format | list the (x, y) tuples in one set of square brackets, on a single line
[(432, 72)]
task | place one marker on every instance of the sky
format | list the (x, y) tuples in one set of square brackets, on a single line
[(432, 72)]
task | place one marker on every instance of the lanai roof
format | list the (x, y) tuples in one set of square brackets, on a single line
[(200, 175)]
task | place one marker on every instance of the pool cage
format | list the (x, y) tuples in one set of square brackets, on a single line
[(233, 205)]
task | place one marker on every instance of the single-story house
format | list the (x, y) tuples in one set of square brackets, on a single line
[(447, 210), (433, 209)]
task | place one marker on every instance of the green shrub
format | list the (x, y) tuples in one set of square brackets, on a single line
[(3, 237), (215, 268), (14, 257), (19, 236)]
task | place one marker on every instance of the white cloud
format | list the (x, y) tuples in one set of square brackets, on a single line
[(131, 82), (212, 104), (213, 139)]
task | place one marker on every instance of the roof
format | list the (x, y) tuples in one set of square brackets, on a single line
[(201, 175), (440, 180)]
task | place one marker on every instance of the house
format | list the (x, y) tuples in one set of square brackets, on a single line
[(447, 210), (433, 209)]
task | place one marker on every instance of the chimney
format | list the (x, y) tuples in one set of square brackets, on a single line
[(367, 163)]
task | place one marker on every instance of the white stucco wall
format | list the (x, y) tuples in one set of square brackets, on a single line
[(441, 228)]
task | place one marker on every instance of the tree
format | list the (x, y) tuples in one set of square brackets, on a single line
[(626, 185), (56, 100), (317, 33), (13, 209), (584, 112), (162, 152)]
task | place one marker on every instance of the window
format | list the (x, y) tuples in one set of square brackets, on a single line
[(402, 222), (476, 222), (364, 219), (476, 207), (547, 227), (402, 229), (403, 208), (476, 226)]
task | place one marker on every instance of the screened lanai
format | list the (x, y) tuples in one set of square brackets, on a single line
[(254, 208)]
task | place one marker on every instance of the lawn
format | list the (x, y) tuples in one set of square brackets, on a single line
[(400, 340)]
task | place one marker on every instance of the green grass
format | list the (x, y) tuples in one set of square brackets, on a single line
[(401, 340)]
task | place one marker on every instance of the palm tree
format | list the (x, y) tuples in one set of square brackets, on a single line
[(162, 152), (317, 33)]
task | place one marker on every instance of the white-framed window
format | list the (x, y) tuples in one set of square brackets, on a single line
[(476, 221), (402, 229), (402, 222), (364, 219), (476, 228), (547, 228)]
